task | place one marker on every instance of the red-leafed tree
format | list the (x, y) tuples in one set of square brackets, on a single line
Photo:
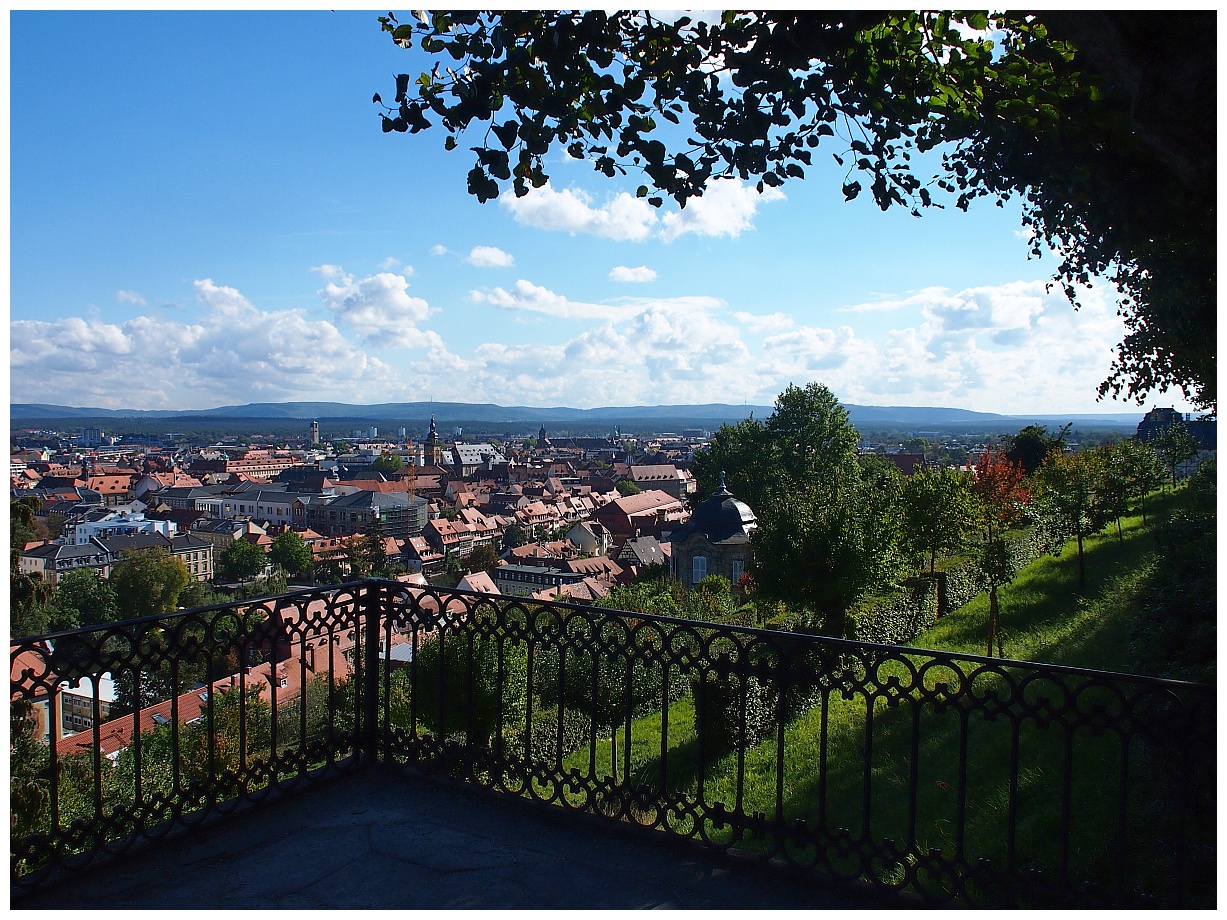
[(1002, 496)]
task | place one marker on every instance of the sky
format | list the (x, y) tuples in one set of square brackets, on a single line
[(204, 211)]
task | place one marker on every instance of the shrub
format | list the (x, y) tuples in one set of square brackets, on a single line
[(898, 616)]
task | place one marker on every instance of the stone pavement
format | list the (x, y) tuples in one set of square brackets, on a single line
[(380, 840)]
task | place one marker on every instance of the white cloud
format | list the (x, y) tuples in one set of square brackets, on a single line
[(623, 218), (725, 209), (770, 322), (131, 297), (640, 274), (391, 262), (536, 299), (668, 352), (438, 249), (234, 353), (1010, 348), (378, 307), (913, 300), (489, 257)]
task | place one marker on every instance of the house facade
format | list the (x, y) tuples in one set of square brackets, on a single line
[(715, 541)]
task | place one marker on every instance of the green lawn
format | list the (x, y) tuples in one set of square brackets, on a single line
[(1044, 615), (895, 763)]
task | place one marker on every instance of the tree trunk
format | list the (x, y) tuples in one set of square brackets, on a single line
[(1081, 565), (992, 618)]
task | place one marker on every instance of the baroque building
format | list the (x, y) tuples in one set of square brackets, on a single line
[(715, 541)]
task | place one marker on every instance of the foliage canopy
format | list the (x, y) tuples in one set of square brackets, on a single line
[(1097, 121)]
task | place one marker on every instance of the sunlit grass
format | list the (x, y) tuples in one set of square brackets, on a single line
[(894, 770)]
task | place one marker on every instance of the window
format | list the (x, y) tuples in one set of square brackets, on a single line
[(738, 568), (698, 569)]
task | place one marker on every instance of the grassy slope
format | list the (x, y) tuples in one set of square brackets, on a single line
[(1046, 618), (873, 754)]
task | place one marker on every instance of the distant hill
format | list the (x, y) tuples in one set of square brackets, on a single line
[(446, 413)]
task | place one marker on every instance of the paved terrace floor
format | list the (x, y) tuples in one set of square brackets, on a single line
[(381, 840)]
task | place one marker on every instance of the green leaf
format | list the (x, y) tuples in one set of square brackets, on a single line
[(641, 192)]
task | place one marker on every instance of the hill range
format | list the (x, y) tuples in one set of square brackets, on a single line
[(449, 413)]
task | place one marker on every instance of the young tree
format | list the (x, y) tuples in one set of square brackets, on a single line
[(1114, 488), (387, 462), (1145, 468), (463, 686), (1068, 487), (148, 581), (514, 536), (938, 513), (483, 558), (82, 598), (291, 552), (1001, 497), (28, 593), (375, 556), (241, 560), (1030, 446), (1175, 446), (1062, 109)]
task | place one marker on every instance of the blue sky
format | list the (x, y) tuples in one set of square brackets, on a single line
[(204, 211)]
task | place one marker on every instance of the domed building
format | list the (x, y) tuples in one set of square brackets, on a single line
[(715, 541)]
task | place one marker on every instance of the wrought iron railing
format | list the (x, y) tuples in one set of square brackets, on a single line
[(960, 779)]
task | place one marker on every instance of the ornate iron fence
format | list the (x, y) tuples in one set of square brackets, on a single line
[(964, 780)]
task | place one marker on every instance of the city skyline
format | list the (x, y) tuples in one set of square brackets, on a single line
[(205, 212)]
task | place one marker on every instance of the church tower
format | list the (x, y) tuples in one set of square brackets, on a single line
[(434, 454)]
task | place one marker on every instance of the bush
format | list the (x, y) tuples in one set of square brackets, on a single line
[(576, 732), (720, 717), (959, 578), (458, 686), (606, 704), (897, 617)]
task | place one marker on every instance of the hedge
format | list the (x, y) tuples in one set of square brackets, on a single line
[(899, 615)]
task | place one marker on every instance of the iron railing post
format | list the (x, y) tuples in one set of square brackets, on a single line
[(371, 597)]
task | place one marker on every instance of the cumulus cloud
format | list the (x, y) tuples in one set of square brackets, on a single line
[(438, 249), (725, 209), (534, 298), (640, 274), (378, 308), (391, 262), (1009, 348), (886, 303), (770, 322), (131, 297), (665, 353), (489, 257), (623, 218), (234, 353)]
